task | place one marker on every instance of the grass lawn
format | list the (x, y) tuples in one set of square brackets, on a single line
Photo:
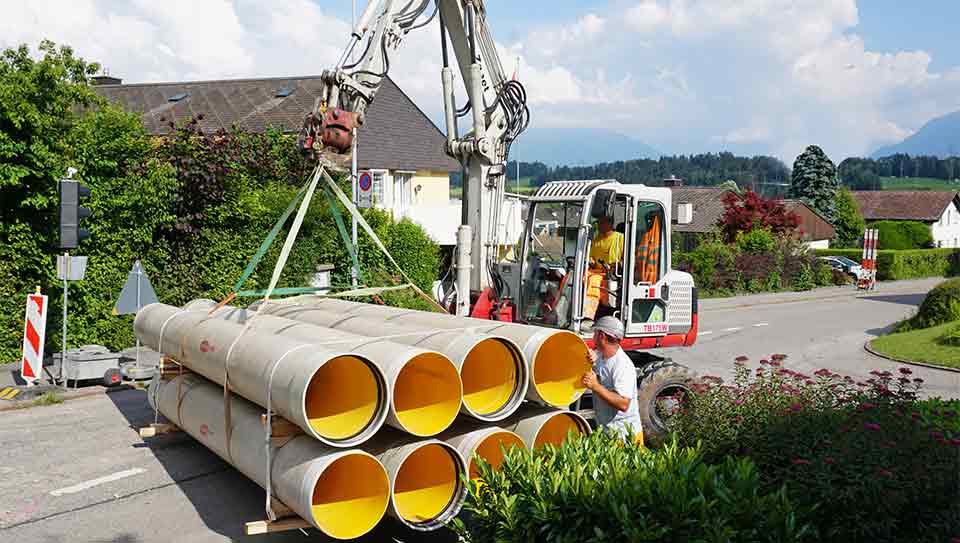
[(920, 346), (917, 183)]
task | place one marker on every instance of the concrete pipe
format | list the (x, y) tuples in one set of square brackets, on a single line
[(426, 479), (538, 426), (556, 359), (337, 396), (343, 493), (486, 442), (424, 385), (491, 367)]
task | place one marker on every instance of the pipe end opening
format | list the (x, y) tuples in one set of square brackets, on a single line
[(345, 398), (428, 490), (558, 367), (557, 429), (492, 449), (427, 394), (350, 496), (493, 374)]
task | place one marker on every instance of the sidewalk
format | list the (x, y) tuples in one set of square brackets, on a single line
[(823, 293)]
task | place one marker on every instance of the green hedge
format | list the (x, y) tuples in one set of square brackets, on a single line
[(909, 264), (903, 235)]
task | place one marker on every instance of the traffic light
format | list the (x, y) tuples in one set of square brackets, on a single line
[(70, 213)]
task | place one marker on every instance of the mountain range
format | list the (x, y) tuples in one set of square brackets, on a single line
[(577, 146), (939, 137)]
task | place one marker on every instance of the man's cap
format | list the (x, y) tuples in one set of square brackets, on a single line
[(610, 326)]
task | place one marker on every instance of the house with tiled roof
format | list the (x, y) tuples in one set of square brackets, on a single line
[(940, 210), (398, 144)]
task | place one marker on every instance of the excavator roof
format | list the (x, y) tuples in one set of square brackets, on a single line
[(569, 190)]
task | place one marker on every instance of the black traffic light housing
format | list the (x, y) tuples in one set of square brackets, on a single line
[(70, 214)]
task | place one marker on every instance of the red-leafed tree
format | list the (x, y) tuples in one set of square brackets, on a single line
[(744, 213)]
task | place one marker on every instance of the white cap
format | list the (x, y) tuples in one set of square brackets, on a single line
[(610, 326)]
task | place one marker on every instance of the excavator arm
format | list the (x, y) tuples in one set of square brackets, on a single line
[(497, 107)]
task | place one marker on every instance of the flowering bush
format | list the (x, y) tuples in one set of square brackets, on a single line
[(861, 452), (597, 489)]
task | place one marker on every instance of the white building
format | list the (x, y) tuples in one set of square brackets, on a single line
[(938, 209)]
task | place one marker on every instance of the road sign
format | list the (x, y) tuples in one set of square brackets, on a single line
[(137, 292), (365, 190), (71, 268), (34, 331)]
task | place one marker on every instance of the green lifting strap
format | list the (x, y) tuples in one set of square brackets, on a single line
[(265, 246), (343, 232)]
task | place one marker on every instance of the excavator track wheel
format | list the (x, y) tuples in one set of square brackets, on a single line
[(660, 387)]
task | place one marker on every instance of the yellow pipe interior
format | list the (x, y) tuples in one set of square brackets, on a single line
[(342, 397), (492, 448), (426, 483), (489, 376), (558, 368), (555, 430), (427, 394), (351, 496)]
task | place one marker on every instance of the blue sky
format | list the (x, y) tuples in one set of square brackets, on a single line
[(750, 76)]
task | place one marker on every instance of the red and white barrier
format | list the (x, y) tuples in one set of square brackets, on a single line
[(34, 331), (868, 279)]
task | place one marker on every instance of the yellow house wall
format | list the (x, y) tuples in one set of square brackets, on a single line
[(435, 188)]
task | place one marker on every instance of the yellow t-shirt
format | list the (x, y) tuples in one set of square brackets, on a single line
[(608, 248)]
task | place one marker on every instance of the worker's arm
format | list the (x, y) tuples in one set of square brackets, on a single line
[(590, 381)]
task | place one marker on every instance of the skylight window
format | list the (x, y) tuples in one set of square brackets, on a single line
[(283, 92), (179, 96)]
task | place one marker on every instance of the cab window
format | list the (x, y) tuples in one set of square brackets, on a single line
[(551, 251), (651, 243)]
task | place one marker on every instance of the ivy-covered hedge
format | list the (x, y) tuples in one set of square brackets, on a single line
[(909, 264), (193, 207)]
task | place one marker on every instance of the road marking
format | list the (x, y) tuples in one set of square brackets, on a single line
[(98, 481), (9, 393), (761, 324), (734, 329), (707, 333)]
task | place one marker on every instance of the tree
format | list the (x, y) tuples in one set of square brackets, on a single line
[(815, 182), (743, 214), (849, 223)]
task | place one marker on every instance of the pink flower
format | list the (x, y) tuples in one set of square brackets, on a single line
[(872, 426), (764, 361), (810, 382), (885, 473), (796, 407), (741, 358), (905, 371), (829, 460), (823, 372), (865, 407), (936, 435), (799, 462), (739, 401), (915, 415), (779, 357), (955, 441)]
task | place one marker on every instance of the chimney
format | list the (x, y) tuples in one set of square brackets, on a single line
[(98, 80), (673, 181)]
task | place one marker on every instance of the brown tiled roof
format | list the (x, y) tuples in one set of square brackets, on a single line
[(912, 205), (397, 134), (707, 207)]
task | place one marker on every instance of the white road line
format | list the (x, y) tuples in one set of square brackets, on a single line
[(98, 481), (707, 333), (761, 324), (734, 329)]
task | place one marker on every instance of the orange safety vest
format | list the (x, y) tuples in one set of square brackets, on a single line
[(648, 255)]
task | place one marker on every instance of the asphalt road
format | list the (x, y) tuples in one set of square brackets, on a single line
[(78, 471)]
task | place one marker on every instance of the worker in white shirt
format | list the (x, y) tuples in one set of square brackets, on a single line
[(613, 381)]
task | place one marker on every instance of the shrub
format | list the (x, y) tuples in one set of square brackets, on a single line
[(951, 337), (758, 240), (597, 489), (849, 223), (752, 211), (861, 452), (804, 279), (823, 274), (900, 235), (942, 305), (910, 264)]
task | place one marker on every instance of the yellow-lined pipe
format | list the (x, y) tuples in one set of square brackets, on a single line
[(426, 479), (556, 359), (424, 385), (343, 493), (492, 368), (486, 442), (539, 426), (337, 396)]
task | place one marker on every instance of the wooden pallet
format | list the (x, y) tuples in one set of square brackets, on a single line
[(287, 519), (158, 429)]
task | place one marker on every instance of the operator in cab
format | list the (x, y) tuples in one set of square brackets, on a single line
[(613, 382), (607, 246)]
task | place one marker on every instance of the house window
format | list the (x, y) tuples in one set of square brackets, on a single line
[(377, 188), (402, 194)]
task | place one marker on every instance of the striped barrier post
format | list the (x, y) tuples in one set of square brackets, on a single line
[(868, 278), (34, 331)]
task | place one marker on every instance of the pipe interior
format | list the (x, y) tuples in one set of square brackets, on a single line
[(489, 376), (427, 394), (351, 496), (343, 397), (492, 448), (426, 484), (558, 367), (555, 430)]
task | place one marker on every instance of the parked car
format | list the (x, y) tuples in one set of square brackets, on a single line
[(844, 264)]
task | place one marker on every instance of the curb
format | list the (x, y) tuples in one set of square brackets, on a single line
[(27, 404), (869, 349)]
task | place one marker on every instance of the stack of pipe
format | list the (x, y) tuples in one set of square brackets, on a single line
[(340, 371)]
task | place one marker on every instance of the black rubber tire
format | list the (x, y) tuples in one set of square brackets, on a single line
[(112, 377), (653, 379)]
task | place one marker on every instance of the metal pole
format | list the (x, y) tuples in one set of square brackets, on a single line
[(353, 176), (139, 306), (63, 342)]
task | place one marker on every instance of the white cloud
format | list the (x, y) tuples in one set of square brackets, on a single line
[(684, 75)]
